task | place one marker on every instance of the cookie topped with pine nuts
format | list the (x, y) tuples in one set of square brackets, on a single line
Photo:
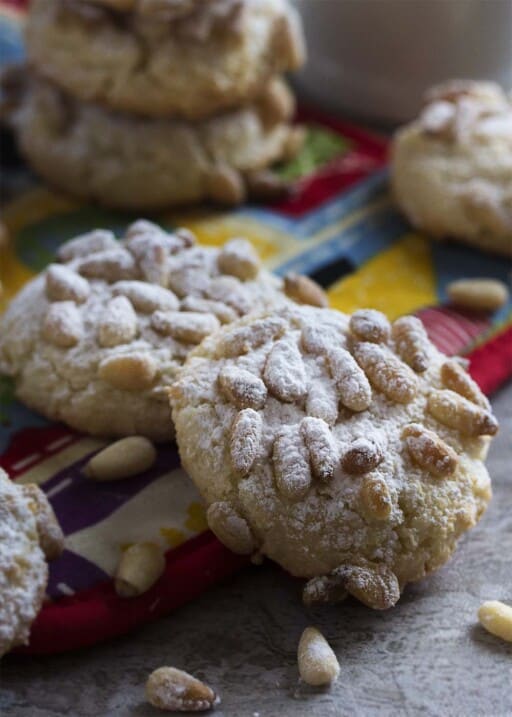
[(346, 448), (29, 536), (98, 337), (451, 166)]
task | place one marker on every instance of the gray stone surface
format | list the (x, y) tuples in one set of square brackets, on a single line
[(427, 656)]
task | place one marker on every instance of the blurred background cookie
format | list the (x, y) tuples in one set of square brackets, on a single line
[(129, 162), (452, 167), (149, 104), (162, 58)]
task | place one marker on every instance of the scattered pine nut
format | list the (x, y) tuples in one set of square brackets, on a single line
[(122, 459), (175, 690), (317, 662), (496, 618), (141, 565), (478, 294)]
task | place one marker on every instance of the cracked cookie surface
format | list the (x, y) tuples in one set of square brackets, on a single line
[(95, 340), (29, 536), (162, 59), (128, 162), (452, 166), (346, 449)]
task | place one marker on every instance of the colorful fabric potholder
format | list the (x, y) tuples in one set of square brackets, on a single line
[(341, 228)]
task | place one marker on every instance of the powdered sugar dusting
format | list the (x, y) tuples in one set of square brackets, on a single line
[(62, 325), (246, 435), (284, 372), (412, 342), (145, 297), (23, 571), (242, 387), (322, 401), (223, 312), (64, 284), (110, 265), (291, 463), (370, 325), (118, 325), (323, 451), (85, 244), (352, 385), (386, 372), (329, 486)]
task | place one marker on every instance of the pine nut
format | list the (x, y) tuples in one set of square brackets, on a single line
[(496, 618), (175, 690), (122, 459), (141, 565), (317, 662), (479, 294)]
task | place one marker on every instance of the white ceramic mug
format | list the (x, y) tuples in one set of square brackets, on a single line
[(374, 58)]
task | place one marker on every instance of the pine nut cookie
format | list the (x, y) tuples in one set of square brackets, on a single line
[(127, 162), (95, 340), (452, 167), (29, 536), (161, 59), (348, 450)]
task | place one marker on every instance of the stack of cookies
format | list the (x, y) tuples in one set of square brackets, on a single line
[(142, 104)]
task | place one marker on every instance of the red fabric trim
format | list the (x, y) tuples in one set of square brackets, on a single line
[(99, 614), (43, 442), (491, 363), (368, 154), (15, 3)]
